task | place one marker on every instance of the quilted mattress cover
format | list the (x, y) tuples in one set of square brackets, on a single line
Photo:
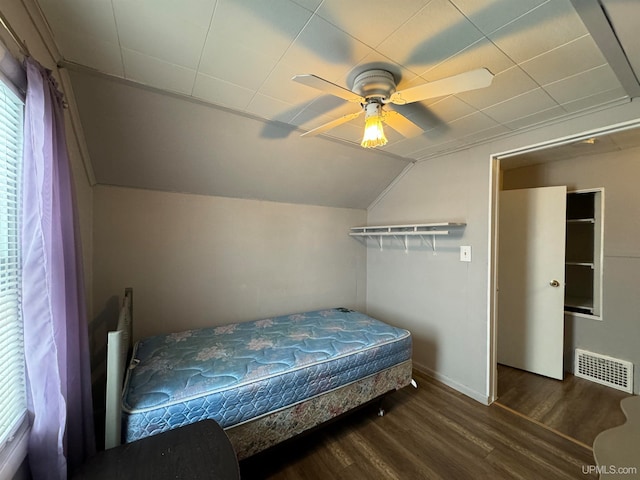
[(237, 372)]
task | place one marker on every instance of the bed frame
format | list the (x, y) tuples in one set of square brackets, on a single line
[(118, 349), (261, 432)]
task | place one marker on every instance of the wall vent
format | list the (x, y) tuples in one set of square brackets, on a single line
[(604, 370)]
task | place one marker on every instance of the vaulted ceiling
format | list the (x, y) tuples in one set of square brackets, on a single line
[(196, 95)]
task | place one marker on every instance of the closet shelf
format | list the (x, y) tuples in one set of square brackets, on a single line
[(403, 232), (581, 264), (581, 220), (577, 302)]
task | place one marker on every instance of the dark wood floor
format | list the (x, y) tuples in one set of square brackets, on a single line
[(575, 407), (432, 432)]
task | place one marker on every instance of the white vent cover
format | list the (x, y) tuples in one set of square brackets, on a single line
[(604, 370)]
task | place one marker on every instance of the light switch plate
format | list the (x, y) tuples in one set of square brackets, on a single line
[(465, 253)]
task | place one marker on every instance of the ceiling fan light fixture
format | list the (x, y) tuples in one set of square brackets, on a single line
[(373, 132)]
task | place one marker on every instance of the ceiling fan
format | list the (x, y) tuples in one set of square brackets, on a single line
[(375, 88)]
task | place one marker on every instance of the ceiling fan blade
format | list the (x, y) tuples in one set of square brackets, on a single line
[(330, 125), (328, 87), (401, 124), (462, 82)]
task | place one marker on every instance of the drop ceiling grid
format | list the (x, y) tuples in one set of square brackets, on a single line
[(571, 51), (248, 39), (371, 30), (157, 73), (242, 54), (173, 48), (93, 41), (455, 17), (490, 16), (166, 31)]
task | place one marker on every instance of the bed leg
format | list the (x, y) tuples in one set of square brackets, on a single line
[(381, 410), (414, 384)]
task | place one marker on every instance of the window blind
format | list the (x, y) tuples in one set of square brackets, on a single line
[(12, 371)]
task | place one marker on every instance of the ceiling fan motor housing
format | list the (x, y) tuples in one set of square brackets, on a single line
[(374, 84), (372, 109)]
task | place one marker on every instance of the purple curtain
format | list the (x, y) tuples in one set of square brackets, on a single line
[(54, 311)]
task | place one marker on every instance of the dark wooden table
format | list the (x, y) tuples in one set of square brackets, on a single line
[(198, 451)]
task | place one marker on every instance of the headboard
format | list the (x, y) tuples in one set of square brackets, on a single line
[(118, 348)]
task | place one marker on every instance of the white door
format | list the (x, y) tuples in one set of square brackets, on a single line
[(531, 279)]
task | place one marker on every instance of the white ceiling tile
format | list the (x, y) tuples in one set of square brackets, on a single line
[(92, 52), (272, 109), (236, 63), (325, 51), (585, 84), (507, 84), (311, 5), (246, 52), (471, 124), (565, 61), (547, 27), (350, 132), (450, 108), (333, 107), (85, 19), (487, 134), (489, 15), (279, 85), (221, 93), (268, 27), (155, 72), (596, 100), (437, 147), (434, 34), (392, 135), (85, 33), (536, 118), (308, 119), (369, 29), (482, 54), (423, 116), (439, 136), (406, 147), (171, 31), (533, 101)]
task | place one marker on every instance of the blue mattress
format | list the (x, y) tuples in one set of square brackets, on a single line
[(235, 373)]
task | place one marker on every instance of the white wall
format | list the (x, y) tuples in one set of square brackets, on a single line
[(445, 303), (441, 300), (618, 333), (196, 260)]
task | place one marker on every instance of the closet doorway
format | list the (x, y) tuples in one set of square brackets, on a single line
[(564, 403)]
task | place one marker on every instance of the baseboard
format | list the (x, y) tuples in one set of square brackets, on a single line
[(477, 396)]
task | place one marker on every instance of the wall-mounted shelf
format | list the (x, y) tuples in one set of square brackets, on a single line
[(426, 231)]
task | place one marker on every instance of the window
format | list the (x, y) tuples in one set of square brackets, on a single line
[(12, 371)]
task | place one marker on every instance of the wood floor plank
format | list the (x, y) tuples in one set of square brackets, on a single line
[(432, 432), (574, 406)]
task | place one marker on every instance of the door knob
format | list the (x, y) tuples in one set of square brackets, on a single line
[(554, 283)]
